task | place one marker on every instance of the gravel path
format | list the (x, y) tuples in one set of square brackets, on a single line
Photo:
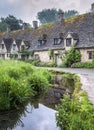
[(88, 85)]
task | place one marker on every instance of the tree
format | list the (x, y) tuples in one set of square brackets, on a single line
[(47, 15), (13, 23), (3, 26), (72, 56), (51, 15), (70, 13)]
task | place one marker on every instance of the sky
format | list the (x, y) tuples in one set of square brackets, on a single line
[(27, 9)]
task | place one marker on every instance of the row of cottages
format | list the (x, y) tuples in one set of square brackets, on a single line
[(13, 46), (77, 31), (59, 36)]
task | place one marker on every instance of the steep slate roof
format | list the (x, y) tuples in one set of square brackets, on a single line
[(8, 43), (81, 27)]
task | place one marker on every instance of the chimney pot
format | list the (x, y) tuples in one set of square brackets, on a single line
[(92, 7), (35, 24), (61, 16)]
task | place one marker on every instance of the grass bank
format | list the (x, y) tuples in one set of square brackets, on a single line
[(20, 81), (75, 112)]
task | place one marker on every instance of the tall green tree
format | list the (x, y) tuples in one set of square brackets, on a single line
[(3, 26), (51, 15), (13, 23), (70, 13), (47, 15)]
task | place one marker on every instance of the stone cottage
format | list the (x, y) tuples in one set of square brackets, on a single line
[(77, 31)]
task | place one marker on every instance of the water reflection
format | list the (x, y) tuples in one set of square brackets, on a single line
[(42, 118), (11, 119), (35, 116)]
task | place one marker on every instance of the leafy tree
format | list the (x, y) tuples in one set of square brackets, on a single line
[(72, 56), (3, 26), (13, 23), (70, 13), (47, 15), (50, 15)]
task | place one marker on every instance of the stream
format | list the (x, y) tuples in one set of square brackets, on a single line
[(39, 114)]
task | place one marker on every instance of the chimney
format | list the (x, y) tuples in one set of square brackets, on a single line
[(92, 8), (35, 24), (8, 30), (61, 16)]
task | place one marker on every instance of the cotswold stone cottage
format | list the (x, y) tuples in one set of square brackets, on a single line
[(77, 31)]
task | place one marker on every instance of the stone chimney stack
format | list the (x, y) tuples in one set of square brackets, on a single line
[(35, 24), (61, 16), (92, 8)]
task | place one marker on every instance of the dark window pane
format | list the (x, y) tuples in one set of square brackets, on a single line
[(90, 55), (68, 42), (14, 46), (57, 41)]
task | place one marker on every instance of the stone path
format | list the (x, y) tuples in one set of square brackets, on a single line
[(88, 85), (87, 79)]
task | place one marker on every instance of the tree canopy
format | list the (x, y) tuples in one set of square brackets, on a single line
[(12, 22), (51, 15)]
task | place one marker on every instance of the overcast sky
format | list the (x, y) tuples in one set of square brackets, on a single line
[(27, 9)]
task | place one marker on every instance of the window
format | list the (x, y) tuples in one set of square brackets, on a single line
[(14, 46), (68, 41), (90, 55), (57, 41), (41, 42), (2, 46)]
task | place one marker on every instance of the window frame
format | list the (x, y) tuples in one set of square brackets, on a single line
[(90, 55), (14, 46), (68, 43), (57, 41)]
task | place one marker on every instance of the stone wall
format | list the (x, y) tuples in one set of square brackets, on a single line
[(43, 55), (85, 55)]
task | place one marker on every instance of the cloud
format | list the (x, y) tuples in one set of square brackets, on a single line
[(27, 9)]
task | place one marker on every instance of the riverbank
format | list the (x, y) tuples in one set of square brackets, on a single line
[(86, 77)]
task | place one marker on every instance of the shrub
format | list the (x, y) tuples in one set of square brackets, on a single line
[(75, 112), (83, 65), (47, 64), (72, 56), (16, 79), (38, 83), (33, 61)]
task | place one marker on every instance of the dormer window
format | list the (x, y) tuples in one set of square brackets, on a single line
[(41, 42), (2, 46), (57, 41), (68, 41), (14, 46)]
